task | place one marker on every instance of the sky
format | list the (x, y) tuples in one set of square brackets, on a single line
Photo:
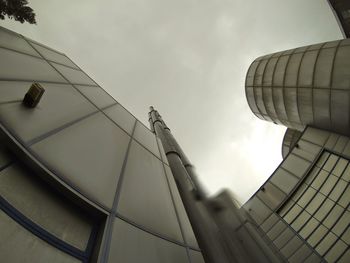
[(188, 58)]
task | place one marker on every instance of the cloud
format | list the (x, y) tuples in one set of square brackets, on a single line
[(188, 58)]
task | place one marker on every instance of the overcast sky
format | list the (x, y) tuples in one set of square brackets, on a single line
[(188, 58)]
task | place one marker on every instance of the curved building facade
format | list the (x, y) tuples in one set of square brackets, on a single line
[(81, 179), (308, 85)]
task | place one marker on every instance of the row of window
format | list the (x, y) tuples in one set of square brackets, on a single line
[(323, 209), (319, 209)]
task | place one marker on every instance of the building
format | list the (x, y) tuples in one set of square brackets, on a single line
[(341, 10), (303, 86), (303, 208), (81, 180)]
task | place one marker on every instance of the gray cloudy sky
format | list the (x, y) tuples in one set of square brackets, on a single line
[(188, 58)]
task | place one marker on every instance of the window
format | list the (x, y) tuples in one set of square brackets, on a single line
[(40, 223), (319, 208)]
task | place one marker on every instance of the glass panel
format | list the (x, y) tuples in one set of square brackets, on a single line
[(331, 44), (286, 207), (276, 230), (340, 167), (54, 56), (308, 228), (342, 141), (251, 99), (196, 257), (345, 41), (300, 255), (271, 221), (333, 216), (311, 177), (346, 236), (329, 165), (144, 191), (290, 100), (289, 51), (315, 203), (332, 140), (301, 49), (346, 174), (19, 245), (320, 179), (278, 99), (321, 107), (271, 196), (73, 75), (291, 77), (270, 67), (259, 101), (340, 102), (48, 115), (257, 209), (342, 224), (296, 165), (300, 221), (329, 184), (338, 190), (323, 70), (322, 159), (280, 71), (122, 117), (97, 95), (341, 74), (12, 40), (184, 221), (346, 257), (317, 235), (307, 69), (299, 192), (306, 197), (307, 150), (316, 136), (345, 199), (324, 209), (251, 73), (313, 258), (291, 246), (283, 238), (336, 251), (277, 54), (269, 104), (18, 66), (326, 243), (260, 73), (91, 147), (139, 246), (284, 180), (39, 203), (292, 214), (146, 138), (305, 105)]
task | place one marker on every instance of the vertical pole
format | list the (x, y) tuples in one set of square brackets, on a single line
[(192, 195)]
